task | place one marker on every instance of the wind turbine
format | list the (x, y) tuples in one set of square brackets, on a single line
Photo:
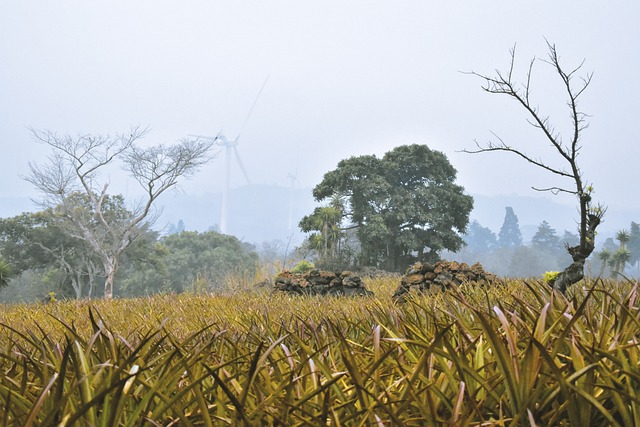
[(231, 145)]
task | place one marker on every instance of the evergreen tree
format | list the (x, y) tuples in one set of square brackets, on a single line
[(546, 238), (510, 235)]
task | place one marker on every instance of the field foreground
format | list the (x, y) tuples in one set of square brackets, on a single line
[(513, 354)]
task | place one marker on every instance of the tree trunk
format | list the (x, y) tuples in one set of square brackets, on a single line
[(575, 271), (76, 284), (110, 269), (603, 266)]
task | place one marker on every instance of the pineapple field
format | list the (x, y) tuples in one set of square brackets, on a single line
[(515, 353)]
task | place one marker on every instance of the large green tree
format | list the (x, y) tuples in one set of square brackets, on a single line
[(404, 206)]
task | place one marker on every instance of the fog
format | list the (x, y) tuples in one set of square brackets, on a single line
[(344, 79)]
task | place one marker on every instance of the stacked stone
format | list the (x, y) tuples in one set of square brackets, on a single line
[(317, 282), (421, 276)]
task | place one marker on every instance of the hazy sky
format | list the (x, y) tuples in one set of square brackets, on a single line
[(346, 78)]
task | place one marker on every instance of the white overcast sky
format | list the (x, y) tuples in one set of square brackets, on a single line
[(346, 78)]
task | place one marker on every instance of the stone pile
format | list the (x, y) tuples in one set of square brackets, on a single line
[(317, 282), (443, 274)]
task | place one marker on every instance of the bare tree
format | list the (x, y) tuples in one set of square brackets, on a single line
[(70, 183), (590, 215)]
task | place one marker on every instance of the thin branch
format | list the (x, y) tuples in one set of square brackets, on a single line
[(555, 190), (504, 147)]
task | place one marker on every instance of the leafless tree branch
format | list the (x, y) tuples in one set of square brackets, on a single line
[(69, 182), (590, 217)]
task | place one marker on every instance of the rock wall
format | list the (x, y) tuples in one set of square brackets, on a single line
[(317, 282), (421, 277)]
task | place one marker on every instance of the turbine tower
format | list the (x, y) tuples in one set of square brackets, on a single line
[(230, 145), (293, 177)]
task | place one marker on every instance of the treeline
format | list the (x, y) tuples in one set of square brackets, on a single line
[(46, 263), (506, 253)]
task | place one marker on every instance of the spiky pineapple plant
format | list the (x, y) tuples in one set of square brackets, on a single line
[(514, 354)]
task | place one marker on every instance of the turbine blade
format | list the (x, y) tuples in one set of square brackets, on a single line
[(252, 107), (203, 136), (239, 160)]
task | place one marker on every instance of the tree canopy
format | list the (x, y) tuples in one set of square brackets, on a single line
[(546, 238), (187, 261), (403, 206)]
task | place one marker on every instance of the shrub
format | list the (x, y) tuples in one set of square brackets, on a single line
[(302, 267)]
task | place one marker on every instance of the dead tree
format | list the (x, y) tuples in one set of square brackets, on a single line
[(70, 183), (590, 214)]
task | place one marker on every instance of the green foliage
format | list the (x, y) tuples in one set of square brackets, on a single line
[(546, 239), (550, 276), (36, 242), (404, 205), (24, 239), (515, 354), (479, 238), (6, 272), (510, 235), (618, 260), (186, 261), (326, 237), (623, 237), (302, 267)]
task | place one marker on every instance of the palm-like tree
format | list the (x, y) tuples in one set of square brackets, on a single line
[(619, 260), (5, 273), (623, 236), (326, 222), (604, 257)]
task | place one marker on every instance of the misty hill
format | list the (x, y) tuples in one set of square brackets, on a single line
[(257, 213)]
